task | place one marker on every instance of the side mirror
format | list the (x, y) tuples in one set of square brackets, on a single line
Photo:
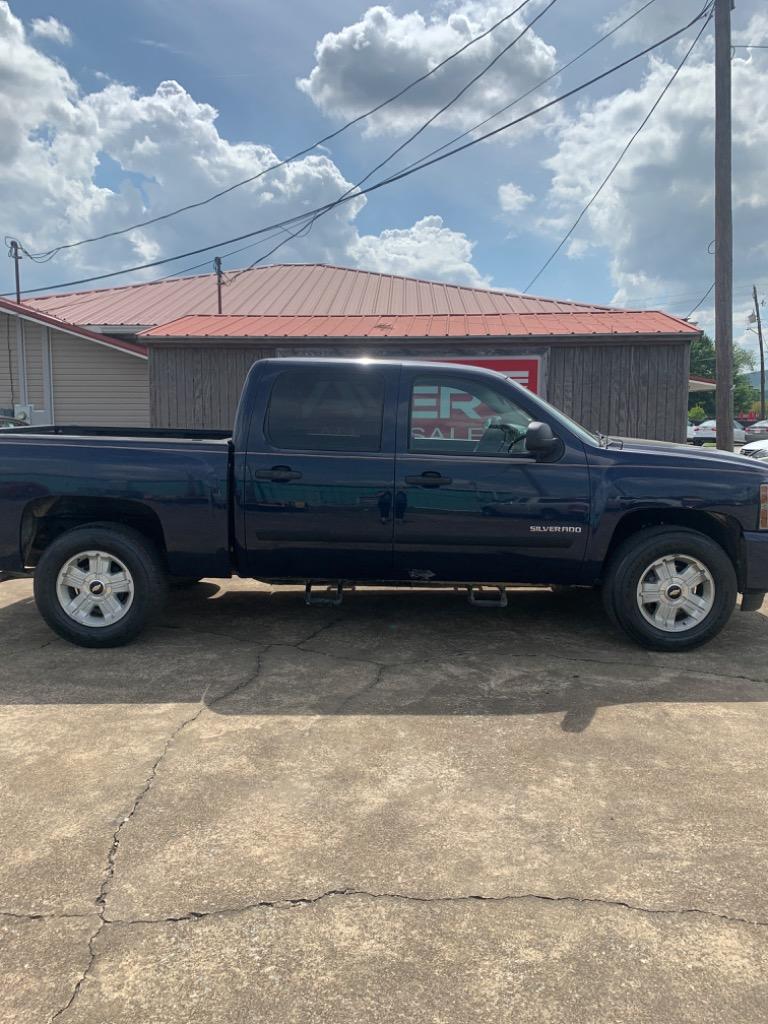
[(540, 441)]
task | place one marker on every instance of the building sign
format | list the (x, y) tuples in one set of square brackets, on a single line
[(525, 370)]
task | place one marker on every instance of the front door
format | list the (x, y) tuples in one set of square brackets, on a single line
[(471, 504), (319, 473)]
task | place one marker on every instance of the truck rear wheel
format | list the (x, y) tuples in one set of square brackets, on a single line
[(670, 589), (99, 585)]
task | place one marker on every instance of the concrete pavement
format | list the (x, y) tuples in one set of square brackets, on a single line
[(401, 809)]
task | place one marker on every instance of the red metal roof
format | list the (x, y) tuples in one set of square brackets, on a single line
[(35, 316), (495, 325), (291, 290)]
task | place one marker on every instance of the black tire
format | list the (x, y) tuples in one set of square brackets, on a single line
[(698, 443), (633, 558), (138, 555)]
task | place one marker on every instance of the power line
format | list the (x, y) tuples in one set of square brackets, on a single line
[(534, 88), (226, 255), (621, 156), (45, 256), (463, 135), (400, 175), (701, 301), (423, 127), (558, 70)]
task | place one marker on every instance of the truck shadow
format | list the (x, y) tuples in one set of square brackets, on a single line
[(248, 651)]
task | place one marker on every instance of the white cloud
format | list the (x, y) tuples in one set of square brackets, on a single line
[(427, 249), (512, 198), (654, 220), (370, 60), (51, 28), (658, 21), (156, 152)]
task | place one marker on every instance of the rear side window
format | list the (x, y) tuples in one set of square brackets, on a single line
[(326, 411)]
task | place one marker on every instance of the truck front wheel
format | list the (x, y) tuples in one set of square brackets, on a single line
[(99, 586), (670, 589)]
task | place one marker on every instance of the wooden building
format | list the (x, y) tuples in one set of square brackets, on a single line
[(619, 371)]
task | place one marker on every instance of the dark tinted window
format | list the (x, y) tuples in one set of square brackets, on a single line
[(326, 411)]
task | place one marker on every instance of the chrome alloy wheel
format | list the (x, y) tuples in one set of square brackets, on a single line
[(676, 593), (95, 589)]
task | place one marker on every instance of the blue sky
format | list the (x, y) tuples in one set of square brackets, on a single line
[(122, 151)]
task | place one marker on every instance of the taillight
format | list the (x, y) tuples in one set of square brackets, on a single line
[(764, 506)]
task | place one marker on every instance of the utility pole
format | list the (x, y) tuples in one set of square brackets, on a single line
[(723, 227), (762, 351), (16, 256), (217, 265)]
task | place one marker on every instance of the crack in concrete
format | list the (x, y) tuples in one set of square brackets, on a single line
[(538, 655), (50, 915), (317, 632), (622, 663), (367, 688), (109, 869), (349, 699), (306, 901)]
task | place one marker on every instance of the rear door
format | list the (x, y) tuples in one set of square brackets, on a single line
[(318, 491), (471, 504)]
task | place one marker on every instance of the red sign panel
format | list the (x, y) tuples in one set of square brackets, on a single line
[(523, 370)]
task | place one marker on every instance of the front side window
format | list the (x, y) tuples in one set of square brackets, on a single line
[(326, 410), (462, 416)]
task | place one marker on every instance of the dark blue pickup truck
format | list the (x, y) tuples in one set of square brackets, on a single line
[(357, 471)]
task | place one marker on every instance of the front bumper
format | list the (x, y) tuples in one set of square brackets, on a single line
[(755, 565)]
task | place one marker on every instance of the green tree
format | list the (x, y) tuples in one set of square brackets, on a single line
[(703, 365), (697, 413)]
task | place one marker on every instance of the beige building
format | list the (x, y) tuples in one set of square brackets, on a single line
[(56, 372)]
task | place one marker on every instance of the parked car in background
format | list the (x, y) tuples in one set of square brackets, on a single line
[(706, 431), (9, 421), (756, 449), (757, 431), (690, 434)]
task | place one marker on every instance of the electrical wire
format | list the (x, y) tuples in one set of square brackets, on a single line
[(621, 156), (534, 88), (45, 256), (487, 120), (423, 127), (559, 70), (206, 263), (701, 301), (398, 176)]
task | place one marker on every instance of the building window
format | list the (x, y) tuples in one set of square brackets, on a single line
[(323, 410)]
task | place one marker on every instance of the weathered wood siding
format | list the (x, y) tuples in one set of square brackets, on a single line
[(198, 386), (634, 388), (638, 389)]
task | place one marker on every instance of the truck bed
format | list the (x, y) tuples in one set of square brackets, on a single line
[(175, 484)]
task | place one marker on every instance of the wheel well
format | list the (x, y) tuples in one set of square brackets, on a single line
[(723, 530), (45, 519)]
